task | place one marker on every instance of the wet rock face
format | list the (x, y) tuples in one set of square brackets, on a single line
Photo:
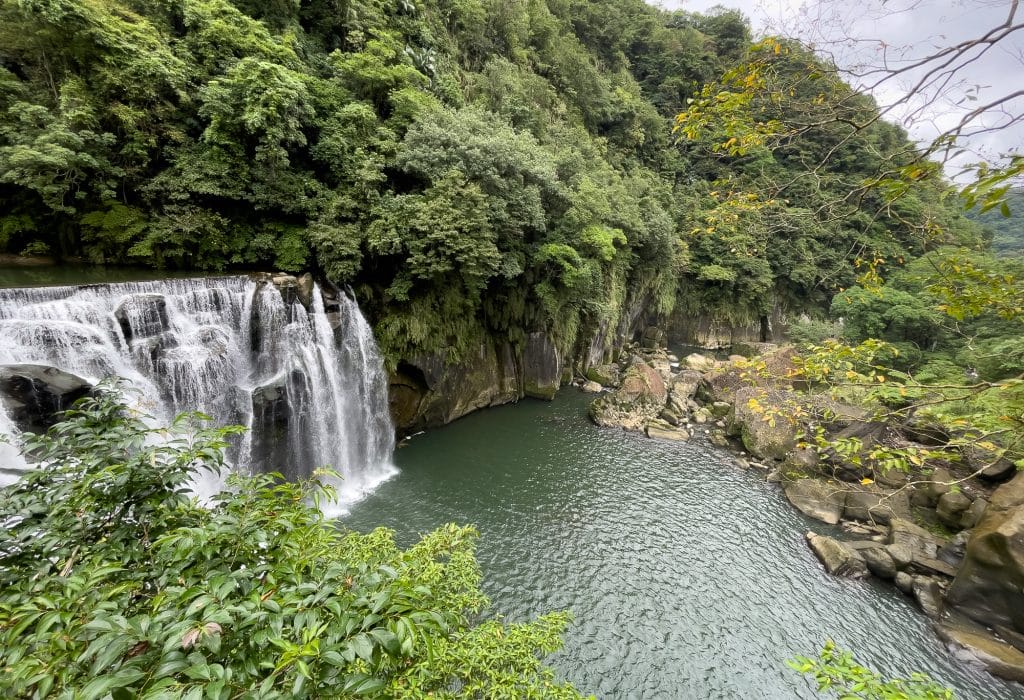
[(989, 587), (34, 396), (653, 338), (430, 390), (542, 367), (142, 316)]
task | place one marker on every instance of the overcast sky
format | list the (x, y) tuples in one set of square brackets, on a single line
[(862, 33)]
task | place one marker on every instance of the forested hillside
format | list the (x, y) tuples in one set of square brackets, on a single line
[(1006, 232), (469, 166)]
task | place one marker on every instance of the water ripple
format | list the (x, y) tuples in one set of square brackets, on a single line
[(687, 577)]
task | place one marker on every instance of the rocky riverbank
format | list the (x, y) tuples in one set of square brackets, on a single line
[(949, 533)]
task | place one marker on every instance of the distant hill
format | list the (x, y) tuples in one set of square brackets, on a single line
[(1007, 232)]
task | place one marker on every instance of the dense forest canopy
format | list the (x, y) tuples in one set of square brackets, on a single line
[(469, 166)]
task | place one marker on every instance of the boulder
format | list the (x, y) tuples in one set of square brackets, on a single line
[(803, 460), (928, 594), (972, 516), (605, 375), (925, 432), (34, 396), (912, 545), (893, 478), (780, 363), (838, 558), (661, 430), (431, 390), (290, 288), (989, 587), (951, 506), (698, 362), (721, 384), (720, 409), (875, 504), (953, 552), (870, 434), (987, 463), (816, 498), (916, 550), (541, 366), (678, 406), (718, 439), (142, 316), (272, 418), (684, 385), (591, 387), (304, 289), (763, 423), (938, 485), (879, 562), (640, 398), (669, 415), (901, 555), (832, 414), (904, 582)]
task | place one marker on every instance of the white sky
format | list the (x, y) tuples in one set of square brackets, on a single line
[(863, 32)]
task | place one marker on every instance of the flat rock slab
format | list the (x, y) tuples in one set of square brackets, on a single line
[(817, 498), (664, 431), (977, 646)]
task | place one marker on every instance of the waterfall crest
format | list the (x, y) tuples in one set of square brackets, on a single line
[(305, 378)]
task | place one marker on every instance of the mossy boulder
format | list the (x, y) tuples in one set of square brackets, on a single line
[(764, 421), (640, 398), (605, 375)]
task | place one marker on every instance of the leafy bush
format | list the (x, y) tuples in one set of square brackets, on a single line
[(836, 671), (114, 583)]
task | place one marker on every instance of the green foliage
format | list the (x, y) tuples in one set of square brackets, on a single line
[(811, 331), (887, 314), (508, 163), (1005, 230), (836, 672), (116, 584)]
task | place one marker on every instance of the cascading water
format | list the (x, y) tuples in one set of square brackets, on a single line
[(306, 379)]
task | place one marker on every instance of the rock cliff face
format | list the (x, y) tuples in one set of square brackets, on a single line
[(703, 331), (429, 391), (35, 395)]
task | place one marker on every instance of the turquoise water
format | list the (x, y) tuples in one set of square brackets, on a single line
[(687, 576)]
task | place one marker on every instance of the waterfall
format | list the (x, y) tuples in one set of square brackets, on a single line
[(305, 378)]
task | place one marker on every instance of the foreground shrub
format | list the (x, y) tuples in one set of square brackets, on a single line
[(114, 583)]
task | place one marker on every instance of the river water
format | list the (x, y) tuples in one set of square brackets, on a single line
[(688, 577)]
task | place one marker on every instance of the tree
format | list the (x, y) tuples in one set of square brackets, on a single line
[(113, 582)]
